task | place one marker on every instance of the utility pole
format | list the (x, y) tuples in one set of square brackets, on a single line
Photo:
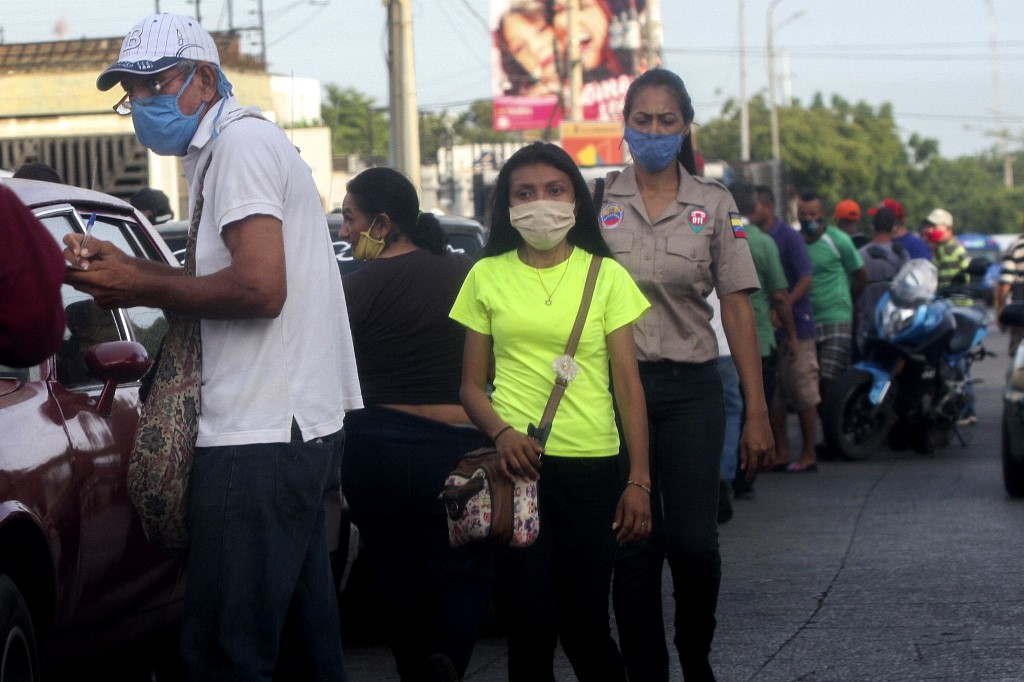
[(404, 143), (263, 32), (573, 61), (744, 105), (654, 33)]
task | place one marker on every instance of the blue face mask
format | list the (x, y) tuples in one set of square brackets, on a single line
[(810, 227), (160, 125), (653, 151)]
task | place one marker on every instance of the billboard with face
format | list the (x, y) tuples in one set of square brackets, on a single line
[(530, 42)]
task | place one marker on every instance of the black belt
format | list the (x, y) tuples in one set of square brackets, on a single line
[(673, 365)]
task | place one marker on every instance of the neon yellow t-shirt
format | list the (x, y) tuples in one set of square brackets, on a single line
[(505, 299)]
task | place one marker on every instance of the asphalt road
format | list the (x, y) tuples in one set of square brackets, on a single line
[(900, 568)]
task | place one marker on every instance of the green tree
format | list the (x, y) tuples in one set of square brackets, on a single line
[(836, 148), (971, 188), (476, 124), (358, 125)]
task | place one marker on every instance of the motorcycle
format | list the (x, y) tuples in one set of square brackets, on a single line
[(914, 381)]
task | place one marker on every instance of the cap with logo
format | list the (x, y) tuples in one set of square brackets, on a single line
[(847, 209), (157, 43)]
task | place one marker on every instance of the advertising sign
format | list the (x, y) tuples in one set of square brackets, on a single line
[(594, 143), (530, 76)]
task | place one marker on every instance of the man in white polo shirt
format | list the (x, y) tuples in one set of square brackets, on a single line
[(278, 368)]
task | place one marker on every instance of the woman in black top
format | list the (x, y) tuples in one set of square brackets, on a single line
[(400, 447)]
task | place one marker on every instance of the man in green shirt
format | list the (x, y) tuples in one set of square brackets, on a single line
[(770, 303), (839, 277)]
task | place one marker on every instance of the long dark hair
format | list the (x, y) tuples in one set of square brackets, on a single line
[(385, 190), (663, 78), (586, 233)]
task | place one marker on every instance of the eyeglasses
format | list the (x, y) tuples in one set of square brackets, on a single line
[(152, 87)]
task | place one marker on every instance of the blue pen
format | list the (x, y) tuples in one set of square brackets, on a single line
[(88, 234)]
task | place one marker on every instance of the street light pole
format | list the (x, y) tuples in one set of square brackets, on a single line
[(744, 106), (776, 153), (996, 107), (772, 89)]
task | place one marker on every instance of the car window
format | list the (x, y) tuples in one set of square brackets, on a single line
[(87, 323), (19, 373)]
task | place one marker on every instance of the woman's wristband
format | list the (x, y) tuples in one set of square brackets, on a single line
[(494, 438), (638, 484)]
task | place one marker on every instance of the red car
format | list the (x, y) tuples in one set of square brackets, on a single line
[(77, 575)]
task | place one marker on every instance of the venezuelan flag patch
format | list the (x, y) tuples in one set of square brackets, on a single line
[(736, 220)]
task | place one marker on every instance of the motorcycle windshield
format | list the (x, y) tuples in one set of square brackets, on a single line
[(915, 283)]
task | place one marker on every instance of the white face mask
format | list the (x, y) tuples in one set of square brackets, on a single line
[(543, 224)]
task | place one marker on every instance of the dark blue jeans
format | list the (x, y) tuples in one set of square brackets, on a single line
[(260, 602), (394, 467), (686, 419), (558, 587)]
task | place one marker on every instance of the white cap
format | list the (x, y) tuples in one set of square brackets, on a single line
[(940, 216), (157, 43)]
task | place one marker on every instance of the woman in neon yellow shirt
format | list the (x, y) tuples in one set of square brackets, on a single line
[(518, 304)]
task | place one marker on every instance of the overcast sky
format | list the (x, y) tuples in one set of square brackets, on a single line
[(931, 59)]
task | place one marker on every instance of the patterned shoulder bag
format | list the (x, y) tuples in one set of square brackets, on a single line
[(165, 439)]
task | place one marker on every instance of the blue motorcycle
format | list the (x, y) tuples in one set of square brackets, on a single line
[(914, 381)]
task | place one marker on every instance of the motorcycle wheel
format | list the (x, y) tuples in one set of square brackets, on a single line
[(850, 427)]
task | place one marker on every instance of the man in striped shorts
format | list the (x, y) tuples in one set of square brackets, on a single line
[(1011, 286), (839, 278)]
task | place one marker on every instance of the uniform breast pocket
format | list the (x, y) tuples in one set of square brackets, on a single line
[(621, 245), (618, 241), (687, 263)]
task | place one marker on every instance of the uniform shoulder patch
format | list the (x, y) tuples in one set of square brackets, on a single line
[(612, 215), (738, 229)]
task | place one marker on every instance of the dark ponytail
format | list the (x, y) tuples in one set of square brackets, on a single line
[(427, 234), (385, 190)]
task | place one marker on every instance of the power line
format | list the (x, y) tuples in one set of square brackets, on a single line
[(455, 29), (825, 53), (473, 12)]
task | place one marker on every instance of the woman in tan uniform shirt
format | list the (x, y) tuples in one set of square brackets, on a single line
[(679, 236)]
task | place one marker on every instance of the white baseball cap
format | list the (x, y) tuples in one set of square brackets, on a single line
[(940, 216), (157, 43)]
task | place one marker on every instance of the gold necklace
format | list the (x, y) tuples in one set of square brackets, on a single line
[(551, 293)]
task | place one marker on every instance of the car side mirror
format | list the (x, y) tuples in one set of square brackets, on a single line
[(1012, 314), (115, 362)]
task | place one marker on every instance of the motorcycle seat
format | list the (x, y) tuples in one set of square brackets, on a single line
[(968, 321)]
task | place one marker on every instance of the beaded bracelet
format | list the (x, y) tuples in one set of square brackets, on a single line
[(645, 488), (494, 439)]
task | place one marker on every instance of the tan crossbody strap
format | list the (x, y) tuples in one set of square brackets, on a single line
[(541, 432)]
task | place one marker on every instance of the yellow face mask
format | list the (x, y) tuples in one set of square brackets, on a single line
[(368, 248)]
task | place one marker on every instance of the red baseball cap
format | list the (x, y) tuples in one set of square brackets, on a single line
[(894, 206)]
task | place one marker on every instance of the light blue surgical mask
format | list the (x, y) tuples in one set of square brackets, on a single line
[(653, 151), (161, 126)]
